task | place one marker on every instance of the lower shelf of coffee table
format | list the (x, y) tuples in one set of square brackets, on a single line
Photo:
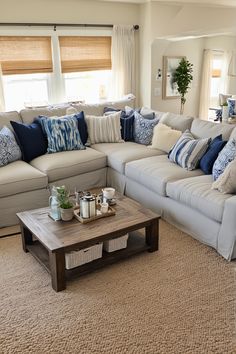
[(136, 244)]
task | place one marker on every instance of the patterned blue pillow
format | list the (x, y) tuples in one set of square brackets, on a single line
[(143, 129), (231, 106), (188, 151), (226, 155), (9, 149), (62, 134)]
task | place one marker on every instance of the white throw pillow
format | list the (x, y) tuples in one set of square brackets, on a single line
[(104, 129), (164, 137), (226, 182)]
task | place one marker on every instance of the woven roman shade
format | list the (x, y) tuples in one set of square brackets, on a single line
[(85, 53), (25, 55)]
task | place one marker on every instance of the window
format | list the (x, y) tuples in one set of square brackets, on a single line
[(26, 63), (216, 82), (86, 64)]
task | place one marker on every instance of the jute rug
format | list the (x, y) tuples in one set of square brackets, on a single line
[(178, 300)]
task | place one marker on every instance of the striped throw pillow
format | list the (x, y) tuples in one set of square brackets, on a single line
[(188, 151), (104, 129)]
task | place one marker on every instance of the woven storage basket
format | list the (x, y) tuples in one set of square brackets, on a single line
[(116, 244), (86, 255)]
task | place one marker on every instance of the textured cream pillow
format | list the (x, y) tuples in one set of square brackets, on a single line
[(104, 129), (226, 182), (164, 137)]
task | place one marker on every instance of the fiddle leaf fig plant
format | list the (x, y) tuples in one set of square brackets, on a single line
[(182, 76)]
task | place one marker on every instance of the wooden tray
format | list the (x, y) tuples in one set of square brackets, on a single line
[(99, 215)]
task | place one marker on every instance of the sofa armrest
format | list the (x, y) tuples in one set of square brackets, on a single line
[(227, 234)]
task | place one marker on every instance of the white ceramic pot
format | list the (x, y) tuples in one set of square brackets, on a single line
[(67, 214)]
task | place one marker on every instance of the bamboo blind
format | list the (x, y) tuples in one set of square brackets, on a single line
[(25, 55), (85, 53)]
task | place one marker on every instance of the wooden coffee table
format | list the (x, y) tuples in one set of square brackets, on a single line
[(49, 240)]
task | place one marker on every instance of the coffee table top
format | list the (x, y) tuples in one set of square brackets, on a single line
[(54, 235)]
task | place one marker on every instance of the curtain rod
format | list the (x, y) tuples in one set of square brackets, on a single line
[(55, 25)]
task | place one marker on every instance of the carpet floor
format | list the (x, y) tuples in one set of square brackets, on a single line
[(178, 300)]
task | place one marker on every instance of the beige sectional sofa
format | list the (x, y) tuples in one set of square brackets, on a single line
[(184, 198)]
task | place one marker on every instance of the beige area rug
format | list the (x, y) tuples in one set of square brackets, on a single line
[(178, 300)]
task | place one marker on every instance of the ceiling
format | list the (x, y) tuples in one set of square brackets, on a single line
[(225, 3)]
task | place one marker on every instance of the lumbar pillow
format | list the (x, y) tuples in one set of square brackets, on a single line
[(62, 134), (224, 158), (143, 129), (104, 129), (188, 151), (226, 183), (31, 139), (208, 159), (126, 122), (164, 137), (9, 149)]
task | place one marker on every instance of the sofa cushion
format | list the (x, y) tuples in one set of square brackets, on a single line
[(62, 133), (164, 137), (227, 154), (154, 172), (176, 121), (143, 129), (28, 115), (31, 139), (9, 149), (196, 193), (204, 129), (118, 154), (104, 129), (19, 177), (6, 117), (69, 163), (208, 159), (188, 151)]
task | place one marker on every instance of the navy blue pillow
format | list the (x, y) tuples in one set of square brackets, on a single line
[(31, 139), (208, 159), (126, 122), (82, 126)]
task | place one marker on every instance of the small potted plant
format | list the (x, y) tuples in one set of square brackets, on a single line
[(66, 205)]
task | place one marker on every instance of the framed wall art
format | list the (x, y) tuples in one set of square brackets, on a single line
[(169, 89)]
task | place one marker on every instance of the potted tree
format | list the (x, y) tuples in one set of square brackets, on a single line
[(182, 76), (66, 205)]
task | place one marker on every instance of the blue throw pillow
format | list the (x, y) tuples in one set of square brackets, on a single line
[(188, 151), (231, 106), (31, 139), (143, 129), (226, 155), (82, 125), (9, 149), (208, 159), (126, 122), (62, 134)]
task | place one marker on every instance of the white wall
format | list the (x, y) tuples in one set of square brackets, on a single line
[(193, 50), (68, 11)]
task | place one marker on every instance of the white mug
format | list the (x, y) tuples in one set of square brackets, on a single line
[(108, 192), (104, 208)]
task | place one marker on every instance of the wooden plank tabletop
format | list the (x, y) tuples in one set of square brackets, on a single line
[(130, 215)]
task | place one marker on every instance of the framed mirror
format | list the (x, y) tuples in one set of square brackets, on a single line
[(169, 89)]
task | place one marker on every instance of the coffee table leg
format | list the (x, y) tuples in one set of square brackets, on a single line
[(152, 235), (26, 237), (57, 267)]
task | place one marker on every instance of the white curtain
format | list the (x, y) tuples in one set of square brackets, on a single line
[(2, 100), (224, 82), (205, 89), (232, 64), (123, 61)]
